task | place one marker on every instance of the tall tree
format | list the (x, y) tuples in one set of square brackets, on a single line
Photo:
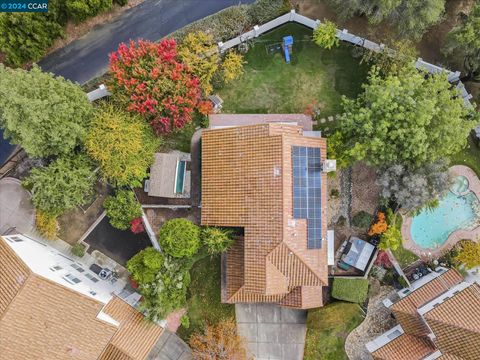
[(153, 82), (46, 115), (62, 185), (464, 41), (409, 119), (122, 144), (411, 17), (469, 254), (413, 189), (200, 54)]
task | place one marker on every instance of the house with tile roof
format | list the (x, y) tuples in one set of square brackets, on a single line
[(266, 176), (53, 307), (437, 319)]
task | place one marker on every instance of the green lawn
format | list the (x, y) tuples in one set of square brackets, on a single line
[(270, 85), (327, 329), (404, 257), (203, 298), (352, 290), (469, 157)]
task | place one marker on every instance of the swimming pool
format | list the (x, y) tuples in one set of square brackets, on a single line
[(458, 209)]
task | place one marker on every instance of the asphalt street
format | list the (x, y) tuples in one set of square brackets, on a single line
[(87, 57)]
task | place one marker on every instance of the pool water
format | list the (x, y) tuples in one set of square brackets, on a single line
[(431, 228)]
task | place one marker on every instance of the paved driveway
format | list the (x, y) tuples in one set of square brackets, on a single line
[(87, 57), (16, 209), (272, 332)]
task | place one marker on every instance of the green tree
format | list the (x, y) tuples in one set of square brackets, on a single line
[(469, 254), (411, 17), (161, 280), (200, 54), (62, 185), (217, 240), (80, 10), (395, 56), (390, 239), (122, 209), (406, 119), (122, 144), (464, 41), (325, 35), (46, 115), (26, 36), (179, 238), (145, 265)]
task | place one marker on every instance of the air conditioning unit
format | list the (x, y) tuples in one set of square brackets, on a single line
[(329, 165)]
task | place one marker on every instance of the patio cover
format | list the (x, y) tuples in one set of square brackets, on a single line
[(331, 247), (162, 175), (359, 253)]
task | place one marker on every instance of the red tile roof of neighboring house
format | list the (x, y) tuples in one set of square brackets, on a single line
[(405, 310), (405, 347), (41, 319), (456, 323), (247, 182)]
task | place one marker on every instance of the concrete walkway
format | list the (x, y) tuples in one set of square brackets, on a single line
[(170, 347), (272, 332), (16, 210)]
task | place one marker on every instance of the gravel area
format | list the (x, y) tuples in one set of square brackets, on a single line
[(377, 321)]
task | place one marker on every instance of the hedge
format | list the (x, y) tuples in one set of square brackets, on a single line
[(352, 290)]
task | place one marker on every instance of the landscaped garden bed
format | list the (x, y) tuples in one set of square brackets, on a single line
[(315, 76)]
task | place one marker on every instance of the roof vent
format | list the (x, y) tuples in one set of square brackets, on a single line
[(329, 165)]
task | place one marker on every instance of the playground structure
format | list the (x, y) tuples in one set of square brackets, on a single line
[(285, 47)]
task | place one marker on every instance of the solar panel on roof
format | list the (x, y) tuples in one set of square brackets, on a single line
[(307, 191)]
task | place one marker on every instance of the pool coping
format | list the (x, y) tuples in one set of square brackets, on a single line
[(454, 237)]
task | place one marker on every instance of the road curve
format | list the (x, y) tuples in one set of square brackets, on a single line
[(87, 57)]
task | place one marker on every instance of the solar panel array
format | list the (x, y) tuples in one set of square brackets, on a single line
[(307, 191)]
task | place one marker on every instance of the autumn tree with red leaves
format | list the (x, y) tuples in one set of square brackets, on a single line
[(153, 82)]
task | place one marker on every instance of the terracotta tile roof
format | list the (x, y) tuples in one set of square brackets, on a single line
[(405, 310), (41, 319), (456, 323), (247, 182), (135, 336), (405, 347)]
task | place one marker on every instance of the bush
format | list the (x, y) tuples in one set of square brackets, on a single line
[(122, 209), (352, 290), (162, 281), (145, 265), (179, 238), (232, 66), (362, 219), (334, 193), (380, 225), (262, 11), (78, 250), (220, 342), (325, 35), (216, 240), (80, 10), (185, 321), (402, 281), (469, 254), (46, 224), (121, 2), (390, 239)]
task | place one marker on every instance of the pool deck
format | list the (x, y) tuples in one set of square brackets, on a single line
[(454, 237)]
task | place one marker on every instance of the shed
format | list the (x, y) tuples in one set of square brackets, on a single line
[(169, 175)]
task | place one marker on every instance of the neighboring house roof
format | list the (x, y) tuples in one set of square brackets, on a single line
[(247, 182), (405, 310), (163, 175), (456, 323), (405, 347), (41, 319)]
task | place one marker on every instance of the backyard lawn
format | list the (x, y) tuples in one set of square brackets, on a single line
[(327, 329), (203, 299), (469, 157), (314, 76), (404, 257)]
